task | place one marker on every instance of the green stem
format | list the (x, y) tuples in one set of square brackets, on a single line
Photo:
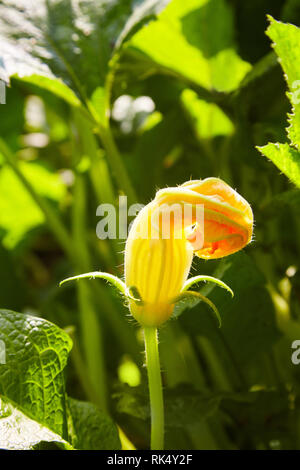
[(92, 338), (91, 328), (116, 163), (155, 388)]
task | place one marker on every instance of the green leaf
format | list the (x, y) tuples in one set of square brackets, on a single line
[(19, 212), (100, 104), (254, 416), (33, 375), (63, 46), (184, 406), (286, 158), (286, 39), (195, 41), (262, 416), (19, 64), (143, 12), (19, 432), (94, 429), (207, 119), (53, 85), (286, 42), (132, 401)]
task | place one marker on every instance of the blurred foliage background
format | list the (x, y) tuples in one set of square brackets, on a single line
[(110, 98)]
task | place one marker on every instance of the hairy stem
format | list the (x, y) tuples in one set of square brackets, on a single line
[(155, 388)]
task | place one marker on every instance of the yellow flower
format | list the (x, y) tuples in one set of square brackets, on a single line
[(202, 217), (158, 257)]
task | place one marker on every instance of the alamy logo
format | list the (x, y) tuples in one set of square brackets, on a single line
[(167, 221), (295, 358), (2, 92), (2, 352)]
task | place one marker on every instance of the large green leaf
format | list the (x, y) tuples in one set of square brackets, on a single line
[(19, 432), (33, 375), (94, 430), (186, 410), (63, 46), (19, 63), (286, 42), (184, 406), (195, 41), (260, 415)]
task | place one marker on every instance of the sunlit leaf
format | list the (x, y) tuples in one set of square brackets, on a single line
[(193, 40), (286, 158), (19, 214), (141, 13), (286, 42), (32, 376), (207, 119), (19, 432), (62, 46)]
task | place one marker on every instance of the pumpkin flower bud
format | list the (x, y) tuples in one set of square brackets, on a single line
[(202, 217), (157, 266)]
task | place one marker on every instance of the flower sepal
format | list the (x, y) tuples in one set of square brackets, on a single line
[(192, 295), (114, 280), (196, 279), (130, 293)]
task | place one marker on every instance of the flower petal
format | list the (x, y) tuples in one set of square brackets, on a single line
[(228, 218)]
